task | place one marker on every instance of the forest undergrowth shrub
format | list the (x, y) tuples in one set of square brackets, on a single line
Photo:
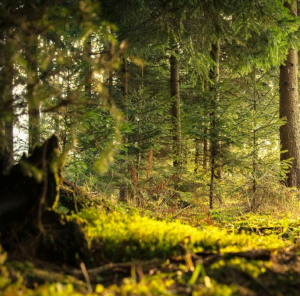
[(159, 192), (270, 195), (229, 192), (159, 198)]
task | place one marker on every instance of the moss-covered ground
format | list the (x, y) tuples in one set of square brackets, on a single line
[(133, 252)]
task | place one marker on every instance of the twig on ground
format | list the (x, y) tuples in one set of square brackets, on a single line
[(114, 265), (86, 277)]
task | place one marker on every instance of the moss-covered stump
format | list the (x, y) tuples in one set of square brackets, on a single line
[(29, 194), (63, 239), (31, 185)]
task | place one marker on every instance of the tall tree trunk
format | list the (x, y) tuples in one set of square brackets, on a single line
[(9, 137), (2, 96), (7, 115), (88, 74), (255, 144), (32, 98), (289, 108), (139, 123), (197, 154), (124, 87), (214, 143), (205, 148), (175, 110), (6, 100), (110, 51), (110, 84)]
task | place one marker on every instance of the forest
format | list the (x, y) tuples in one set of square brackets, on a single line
[(149, 147)]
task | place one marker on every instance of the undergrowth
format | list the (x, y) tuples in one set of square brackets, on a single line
[(132, 236), (246, 254)]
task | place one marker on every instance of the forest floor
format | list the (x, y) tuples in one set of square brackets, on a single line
[(183, 251)]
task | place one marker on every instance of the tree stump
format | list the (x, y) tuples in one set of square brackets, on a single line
[(32, 185), (29, 193)]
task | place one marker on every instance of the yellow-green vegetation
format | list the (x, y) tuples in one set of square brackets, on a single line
[(262, 224), (132, 236), (135, 255)]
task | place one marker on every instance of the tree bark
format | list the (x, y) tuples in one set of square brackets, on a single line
[(197, 154), (175, 110), (289, 109), (89, 74), (205, 148), (124, 192), (110, 49), (32, 98), (9, 137), (214, 142), (6, 111), (6, 100), (255, 147)]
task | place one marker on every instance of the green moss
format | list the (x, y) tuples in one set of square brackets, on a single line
[(125, 237), (133, 236)]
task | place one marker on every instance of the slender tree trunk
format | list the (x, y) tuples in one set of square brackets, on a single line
[(139, 123), (2, 134), (110, 84), (110, 49), (56, 113), (10, 111), (6, 100), (32, 98), (124, 80), (2, 96), (175, 110), (6, 116), (89, 74), (289, 109), (205, 148), (139, 142), (124, 87), (197, 154), (255, 145), (212, 170), (214, 143)]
